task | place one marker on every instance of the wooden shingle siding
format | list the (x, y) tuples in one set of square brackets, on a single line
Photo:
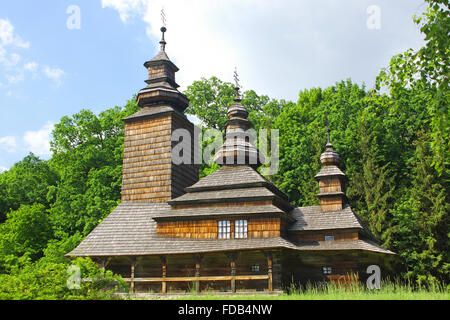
[(264, 227), (332, 184), (148, 171), (208, 228), (331, 203), (200, 229)]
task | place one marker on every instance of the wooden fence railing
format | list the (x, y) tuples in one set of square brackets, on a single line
[(164, 280)]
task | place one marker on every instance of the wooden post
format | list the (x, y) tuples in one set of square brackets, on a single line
[(233, 274), (269, 270), (197, 259), (104, 262), (133, 265), (164, 274), (233, 256)]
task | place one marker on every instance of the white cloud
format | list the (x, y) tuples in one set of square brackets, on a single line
[(13, 79), (38, 141), (279, 47), (15, 71), (126, 9), (8, 144), (54, 74), (31, 66), (8, 37)]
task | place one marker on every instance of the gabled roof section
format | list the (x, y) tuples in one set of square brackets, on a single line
[(228, 177), (313, 219), (237, 195), (232, 184)]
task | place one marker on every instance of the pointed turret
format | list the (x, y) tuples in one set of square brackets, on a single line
[(161, 86), (238, 148), (331, 180)]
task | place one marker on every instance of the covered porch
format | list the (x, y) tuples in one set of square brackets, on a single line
[(232, 271)]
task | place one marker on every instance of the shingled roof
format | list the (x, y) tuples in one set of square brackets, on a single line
[(130, 230), (218, 212), (228, 176), (313, 219)]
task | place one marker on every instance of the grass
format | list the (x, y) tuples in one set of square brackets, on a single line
[(388, 291)]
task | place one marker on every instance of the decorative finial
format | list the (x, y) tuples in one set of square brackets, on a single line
[(163, 30), (237, 85), (329, 145), (328, 130), (163, 17)]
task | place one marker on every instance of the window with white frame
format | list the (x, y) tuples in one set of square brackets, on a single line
[(255, 268), (240, 229), (224, 229), (326, 270)]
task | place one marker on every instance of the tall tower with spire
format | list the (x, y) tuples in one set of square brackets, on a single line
[(331, 180), (149, 174)]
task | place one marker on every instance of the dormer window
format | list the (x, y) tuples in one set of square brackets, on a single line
[(224, 229), (241, 229)]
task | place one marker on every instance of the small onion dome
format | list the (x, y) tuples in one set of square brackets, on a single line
[(330, 157), (238, 148)]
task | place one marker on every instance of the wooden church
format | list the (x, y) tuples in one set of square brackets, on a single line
[(231, 231)]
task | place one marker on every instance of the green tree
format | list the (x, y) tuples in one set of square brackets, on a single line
[(25, 233), (26, 183), (88, 152), (45, 280), (420, 220), (428, 68)]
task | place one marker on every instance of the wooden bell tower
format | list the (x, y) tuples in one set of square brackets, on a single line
[(149, 174)]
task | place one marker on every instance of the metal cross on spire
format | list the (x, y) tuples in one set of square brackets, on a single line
[(163, 17), (237, 85), (163, 30), (236, 78), (328, 129)]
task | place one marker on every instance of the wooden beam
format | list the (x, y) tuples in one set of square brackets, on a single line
[(204, 278), (233, 256), (198, 259), (269, 270), (233, 276), (164, 274), (133, 265)]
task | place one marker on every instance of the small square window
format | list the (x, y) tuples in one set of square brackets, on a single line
[(255, 268), (224, 229), (326, 270), (240, 229), (329, 238)]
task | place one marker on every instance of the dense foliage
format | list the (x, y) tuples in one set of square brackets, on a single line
[(394, 150)]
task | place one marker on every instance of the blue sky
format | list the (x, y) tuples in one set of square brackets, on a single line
[(48, 70)]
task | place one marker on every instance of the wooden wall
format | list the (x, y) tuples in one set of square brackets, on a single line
[(321, 236), (330, 203), (301, 267), (208, 228), (330, 184), (148, 171)]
